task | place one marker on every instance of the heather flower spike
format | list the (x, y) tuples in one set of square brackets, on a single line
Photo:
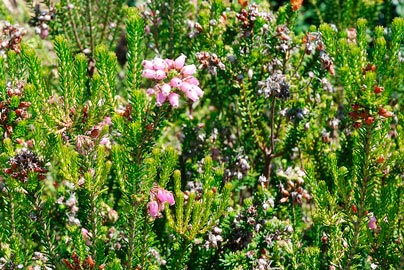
[(171, 77)]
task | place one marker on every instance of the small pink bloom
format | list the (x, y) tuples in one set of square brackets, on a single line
[(105, 141), (150, 91), (84, 232), (192, 80), (176, 82), (108, 120), (161, 195), (188, 70), (372, 223), (165, 196), (166, 89), (180, 61), (149, 74), (153, 209), (159, 64), (170, 63), (170, 198), (185, 87), (174, 100), (147, 64), (160, 75), (197, 90), (147, 29), (191, 94), (44, 33), (160, 99)]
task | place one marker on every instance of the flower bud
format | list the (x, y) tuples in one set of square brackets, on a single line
[(149, 74), (160, 99), (192, 80), (197, 90), (174, 100), (372, 223), (147, 64), (188, 70), (159, 64), (191, 94), (160, 75), (176, 82), (180, 61), (166, 89), (185, 87), (153, 209), (170, 63), (150, 91)]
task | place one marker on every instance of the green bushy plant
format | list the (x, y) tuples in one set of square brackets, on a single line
[(203, 135)]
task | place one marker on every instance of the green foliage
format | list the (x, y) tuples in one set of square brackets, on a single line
[(87, 24), (291, 158)]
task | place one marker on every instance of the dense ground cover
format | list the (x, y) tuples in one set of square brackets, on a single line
[(202, 134)]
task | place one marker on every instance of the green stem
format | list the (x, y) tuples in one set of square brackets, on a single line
[(363, 191), (131, 249), (44, 232), (94, 222), (256, 136), (171, 27), (272, 119), (145, 241), (154, 8), (106, 21), (74, 29), (184, 248), (90, 25)]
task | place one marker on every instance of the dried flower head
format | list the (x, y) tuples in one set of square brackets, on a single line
[(23, 163), (296, 4), (275, 85), (11, 37)]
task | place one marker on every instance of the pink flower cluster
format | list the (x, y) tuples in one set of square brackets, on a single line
[(158, 197), (171, 77)]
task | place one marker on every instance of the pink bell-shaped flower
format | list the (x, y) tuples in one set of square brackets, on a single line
[(160, 99), (147, 64), (192, 80), (170, 198), (170, 63), (180, 61), (174, 100), (191, 94), (197, 90), (166, 89), (176, 82), (185, 87), (153, 209), (149, 74), (372, 222), (150, 91), (160, 75), (159, 64), (188, 70)]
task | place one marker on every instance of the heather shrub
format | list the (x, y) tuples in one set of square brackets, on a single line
[(202, 135)]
